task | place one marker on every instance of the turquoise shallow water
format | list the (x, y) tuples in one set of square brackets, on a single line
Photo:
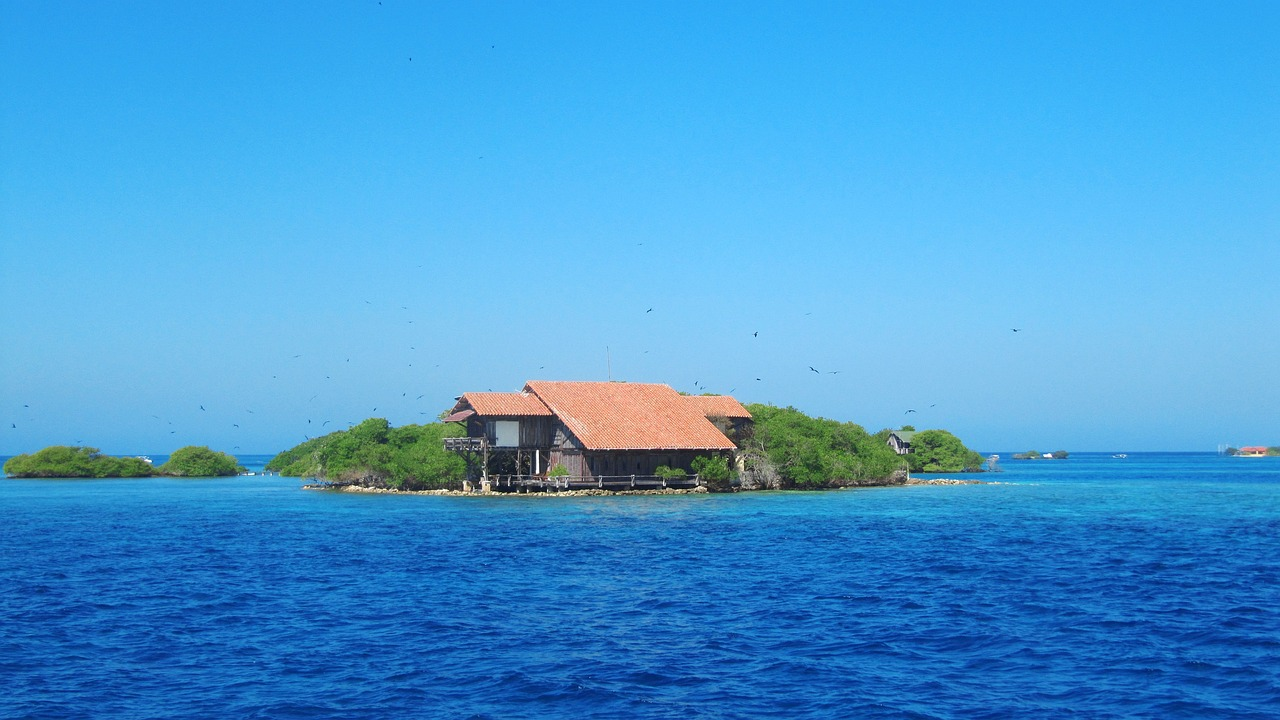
[(1090, 587)]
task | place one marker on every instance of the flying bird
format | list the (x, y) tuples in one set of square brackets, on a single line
[(326, 422), (234, 425), (202, 407), (648, 311), (755, 334), (814, 369), (1016, 329), (908, 412)]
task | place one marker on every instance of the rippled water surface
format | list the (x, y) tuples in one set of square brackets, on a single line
[(1089, 587)]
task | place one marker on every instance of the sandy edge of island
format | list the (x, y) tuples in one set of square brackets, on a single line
[(593, 492)]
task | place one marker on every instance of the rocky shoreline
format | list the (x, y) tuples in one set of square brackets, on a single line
[(596, 492)]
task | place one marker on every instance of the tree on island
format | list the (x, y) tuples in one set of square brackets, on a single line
[(788, 449), (194, 461), (714, 471), (939, 451), (1037, 455), (375, 454), (63, 461)]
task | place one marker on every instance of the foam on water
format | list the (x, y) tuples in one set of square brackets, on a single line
[(1148, 587)]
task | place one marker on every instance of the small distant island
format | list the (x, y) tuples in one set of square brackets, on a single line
[(64, 461), (1254, 451), (1037, 455)]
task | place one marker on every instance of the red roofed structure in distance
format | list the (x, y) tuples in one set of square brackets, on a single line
[(598, 429)]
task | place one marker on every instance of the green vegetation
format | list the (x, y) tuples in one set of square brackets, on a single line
[(714, 472), (62, 461), (1037, 455), (558, 471), (194, 461), (1273, 451), (373, 453), (935, 451), (789, 449), (668, 473)]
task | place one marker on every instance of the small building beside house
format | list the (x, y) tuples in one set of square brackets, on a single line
[(598, 431), (900, 441)]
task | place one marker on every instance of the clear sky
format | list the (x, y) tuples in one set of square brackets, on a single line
[(242, 223)]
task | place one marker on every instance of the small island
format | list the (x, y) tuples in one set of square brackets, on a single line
[(63, 461), (1254, 451), (766, 448), (1037, 455)]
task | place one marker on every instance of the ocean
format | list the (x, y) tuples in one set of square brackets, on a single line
[(1091, 587)]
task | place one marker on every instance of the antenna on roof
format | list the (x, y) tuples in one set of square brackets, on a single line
[(608, 360)]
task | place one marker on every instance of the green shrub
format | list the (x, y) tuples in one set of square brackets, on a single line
[(668, 473), (373, 453), (810, 453), (714, 472), (558, 471), (198, 461), (62, 461), (940, 451)]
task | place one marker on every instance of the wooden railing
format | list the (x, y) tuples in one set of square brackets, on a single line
[(464, 444), (578, 482)]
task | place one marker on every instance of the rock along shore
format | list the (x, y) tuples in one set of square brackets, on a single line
[(595, 492)]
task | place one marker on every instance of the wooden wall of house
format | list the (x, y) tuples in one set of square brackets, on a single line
[(572, 460), (641, 462), (535, 431)]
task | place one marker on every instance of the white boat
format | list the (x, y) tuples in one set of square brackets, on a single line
[(144, 459), (1120, 456)]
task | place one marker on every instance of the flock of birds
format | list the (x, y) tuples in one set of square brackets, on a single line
[(404, 395)]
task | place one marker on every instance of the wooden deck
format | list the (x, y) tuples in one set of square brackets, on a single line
[(525, 483)]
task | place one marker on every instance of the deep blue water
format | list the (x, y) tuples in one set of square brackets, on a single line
[(1089, 587)]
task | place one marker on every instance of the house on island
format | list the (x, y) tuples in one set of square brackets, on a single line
[(900, 441), (1252, 451), (602, 433)]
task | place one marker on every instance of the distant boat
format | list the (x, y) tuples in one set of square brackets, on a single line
[(144, 459), (1121, 456)]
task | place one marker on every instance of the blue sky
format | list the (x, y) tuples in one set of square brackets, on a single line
[(292, 214)]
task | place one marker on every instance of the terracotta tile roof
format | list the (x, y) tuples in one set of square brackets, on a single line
[(629, 416), (718, 406), (504, 404)]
